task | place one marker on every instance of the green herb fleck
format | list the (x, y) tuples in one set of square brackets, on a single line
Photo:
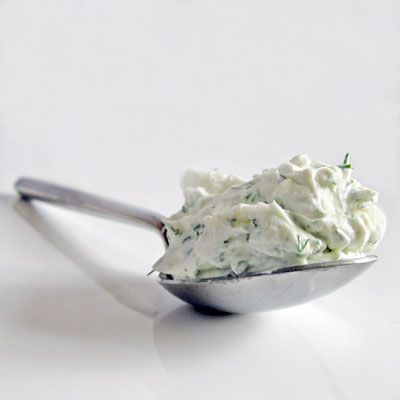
[(199, 228), (301, 246), (251, 197), (176, 231), (346, 162), (186, 239)]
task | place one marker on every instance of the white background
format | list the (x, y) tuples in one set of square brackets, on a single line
[(120, 97)]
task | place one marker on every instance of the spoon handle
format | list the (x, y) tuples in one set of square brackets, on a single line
[(35, 189)]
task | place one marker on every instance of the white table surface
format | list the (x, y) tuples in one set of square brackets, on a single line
[(119, 97)]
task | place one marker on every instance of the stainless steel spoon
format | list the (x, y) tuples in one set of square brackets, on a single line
[(248, 293)]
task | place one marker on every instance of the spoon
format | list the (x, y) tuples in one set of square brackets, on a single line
[(260, 291)]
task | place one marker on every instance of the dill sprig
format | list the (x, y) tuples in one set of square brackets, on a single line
[(186, 239), (346, 162), (199, 229), (176, 231), (301, 246)]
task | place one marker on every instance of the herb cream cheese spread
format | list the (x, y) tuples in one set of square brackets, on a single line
[(302, 212)]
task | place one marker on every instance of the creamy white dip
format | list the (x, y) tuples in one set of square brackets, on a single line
[(301, 212)]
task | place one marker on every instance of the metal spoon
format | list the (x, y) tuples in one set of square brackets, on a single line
[(248, 293)]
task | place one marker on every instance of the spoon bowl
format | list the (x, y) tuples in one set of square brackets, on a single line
[(281, 288), (268, 291)]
